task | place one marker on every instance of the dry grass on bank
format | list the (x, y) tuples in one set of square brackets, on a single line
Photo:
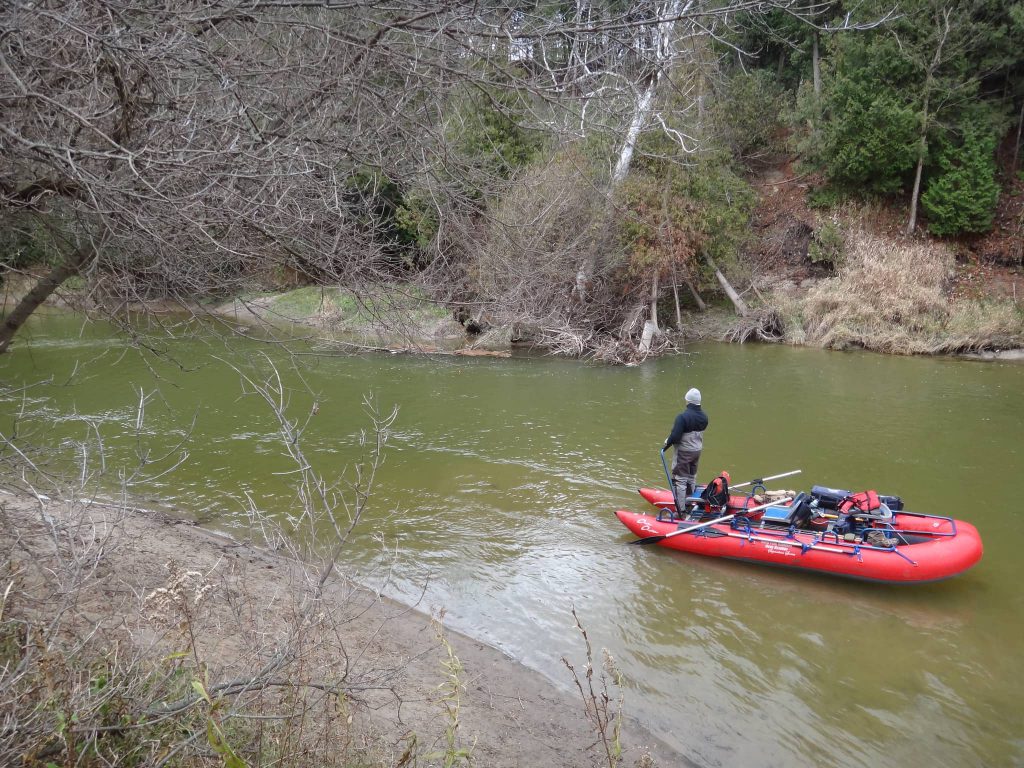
[(891, 297), (138, 664)]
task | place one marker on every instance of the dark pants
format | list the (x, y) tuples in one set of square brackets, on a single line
[(684, 474)]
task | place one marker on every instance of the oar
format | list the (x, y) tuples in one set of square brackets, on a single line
[(655, 539), (810, 545), (762, 480)]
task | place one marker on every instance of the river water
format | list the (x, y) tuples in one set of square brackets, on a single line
[(497, 499)]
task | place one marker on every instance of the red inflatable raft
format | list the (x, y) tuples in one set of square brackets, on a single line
[(898, 547)]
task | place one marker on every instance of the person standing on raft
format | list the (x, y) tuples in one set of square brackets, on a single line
[(688, 438)]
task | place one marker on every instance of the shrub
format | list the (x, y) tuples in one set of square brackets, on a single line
[(826, 243), (537, 236), (24, 243), (705, 209), (824, 197), (417, 220), (489, 141), (870, 133)]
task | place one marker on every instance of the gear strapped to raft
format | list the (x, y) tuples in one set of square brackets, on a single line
[(865, 501), (716, 493)]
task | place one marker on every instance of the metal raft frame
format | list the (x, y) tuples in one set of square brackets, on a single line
[(950, 520), (742, 528)]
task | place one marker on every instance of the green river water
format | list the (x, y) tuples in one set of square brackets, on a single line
[(499, 490)]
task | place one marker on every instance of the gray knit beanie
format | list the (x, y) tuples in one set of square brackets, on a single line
[(693, 396)]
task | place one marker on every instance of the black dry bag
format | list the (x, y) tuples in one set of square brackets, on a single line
[(716, 493)]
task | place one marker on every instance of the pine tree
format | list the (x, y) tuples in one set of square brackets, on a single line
[(962, 197), (869, 137)]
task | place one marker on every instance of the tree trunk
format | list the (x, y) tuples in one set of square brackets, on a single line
[(912, 221), (816, 63), (41, 292), (696, 296), (644, 347), (651, 328), (679, 314), (662, 52), (640, 114), (741, 307), (576, 66), (922, 147), (662, 49), (654, 301), (1016, 146)]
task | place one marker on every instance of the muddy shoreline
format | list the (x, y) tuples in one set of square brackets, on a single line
[(510, 715)]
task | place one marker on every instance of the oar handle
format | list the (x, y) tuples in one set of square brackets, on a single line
[(766, 479), (701, 525), (663, 536), (780, 502)]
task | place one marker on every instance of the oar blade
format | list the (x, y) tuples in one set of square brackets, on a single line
[(648, 540)]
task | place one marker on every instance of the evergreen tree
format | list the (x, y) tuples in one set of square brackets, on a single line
[(870, 131), (893, 95), (963, 196)]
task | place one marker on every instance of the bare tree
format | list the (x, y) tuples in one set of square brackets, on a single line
[(190, 149), (622, 74), (184, 148)]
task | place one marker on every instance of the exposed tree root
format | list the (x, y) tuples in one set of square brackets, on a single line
[(765, 324)]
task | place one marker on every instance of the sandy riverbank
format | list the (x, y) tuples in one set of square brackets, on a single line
[(393, 659)]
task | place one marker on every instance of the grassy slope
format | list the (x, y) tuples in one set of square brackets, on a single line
[(398, 313), (885, 291)]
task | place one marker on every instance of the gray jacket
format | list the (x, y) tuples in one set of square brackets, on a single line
[(688, 430)]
